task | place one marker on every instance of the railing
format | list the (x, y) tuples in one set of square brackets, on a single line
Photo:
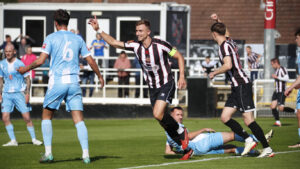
[(263, 90), (104, 98)]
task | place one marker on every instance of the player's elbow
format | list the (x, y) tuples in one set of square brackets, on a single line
[(39, 62), (228, 66), (168, 152)]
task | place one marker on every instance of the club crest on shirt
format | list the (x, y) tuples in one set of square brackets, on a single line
[(44, 46), (149, 68)]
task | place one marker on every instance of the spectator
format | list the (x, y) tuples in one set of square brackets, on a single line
[(253, 62), (21, 46), (208, 65), (72, 30), (123, 76), (28, 58), (98, 44), (7, 41), (138, 79), (88, 76), (45, 77)]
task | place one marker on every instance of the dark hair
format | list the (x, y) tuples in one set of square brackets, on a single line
[(7, 36), (218, 27), (207, 57), (174, 108), (275, 60), (143, 22), (62, 17), (123, 52), (297, 33)]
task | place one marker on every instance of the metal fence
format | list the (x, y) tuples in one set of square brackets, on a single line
[(104, 97)]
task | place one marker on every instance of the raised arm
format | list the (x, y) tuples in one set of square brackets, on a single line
[(109, 39), (216, 18)]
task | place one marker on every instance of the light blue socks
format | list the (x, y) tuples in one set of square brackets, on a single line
[(82, 134), (10, 131), (47, 132), (31, 131), (241, 139), (239, 150)]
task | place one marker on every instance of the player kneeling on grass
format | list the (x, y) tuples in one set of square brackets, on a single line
[(13, 95), (207, 141)]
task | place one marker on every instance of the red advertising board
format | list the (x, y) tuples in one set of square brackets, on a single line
[(270, 14)]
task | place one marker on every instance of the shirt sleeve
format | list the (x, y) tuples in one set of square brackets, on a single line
[(47, 47), (84, 50), (283, 75), (1, 72), (130, 45), (226, 50)]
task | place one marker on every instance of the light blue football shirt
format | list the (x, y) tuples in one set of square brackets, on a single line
[(172, 143), (64, 49), (298, 60), (13, 80)]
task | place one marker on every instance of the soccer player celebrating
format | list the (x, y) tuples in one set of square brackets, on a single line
[(281, 76), (241, 91), (15, 93), (64, 47), (153, 55), (296, 86)]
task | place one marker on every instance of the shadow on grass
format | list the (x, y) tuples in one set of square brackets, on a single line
[(284, 124), (95, 158), (173, 156), (22, 143)]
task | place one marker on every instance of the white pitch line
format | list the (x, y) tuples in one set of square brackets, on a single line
[(195, 161)]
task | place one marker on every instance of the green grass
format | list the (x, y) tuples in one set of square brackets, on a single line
[(136, 142)]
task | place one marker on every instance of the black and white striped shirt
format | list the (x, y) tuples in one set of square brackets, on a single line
[(282, 78), (252, 59), (236, 73), (154, 61)]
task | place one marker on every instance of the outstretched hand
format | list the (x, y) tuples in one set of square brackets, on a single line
[(22, 70), (94, 23), (214, 17)]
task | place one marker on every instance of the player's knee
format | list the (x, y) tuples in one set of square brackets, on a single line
[(298, 113), (281, 108), (157, 115), (224, 118), (5, 118), (27, 120)]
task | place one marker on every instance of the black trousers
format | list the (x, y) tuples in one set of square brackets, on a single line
[(123, 81)]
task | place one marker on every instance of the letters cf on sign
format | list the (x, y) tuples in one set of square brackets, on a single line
[(270, 14)]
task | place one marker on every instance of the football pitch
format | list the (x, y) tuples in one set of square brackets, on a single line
[(139, 143)]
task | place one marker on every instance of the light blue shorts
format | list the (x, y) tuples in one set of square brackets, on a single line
[(207, 143), (10, 100), (70, 93), (298, 100)]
